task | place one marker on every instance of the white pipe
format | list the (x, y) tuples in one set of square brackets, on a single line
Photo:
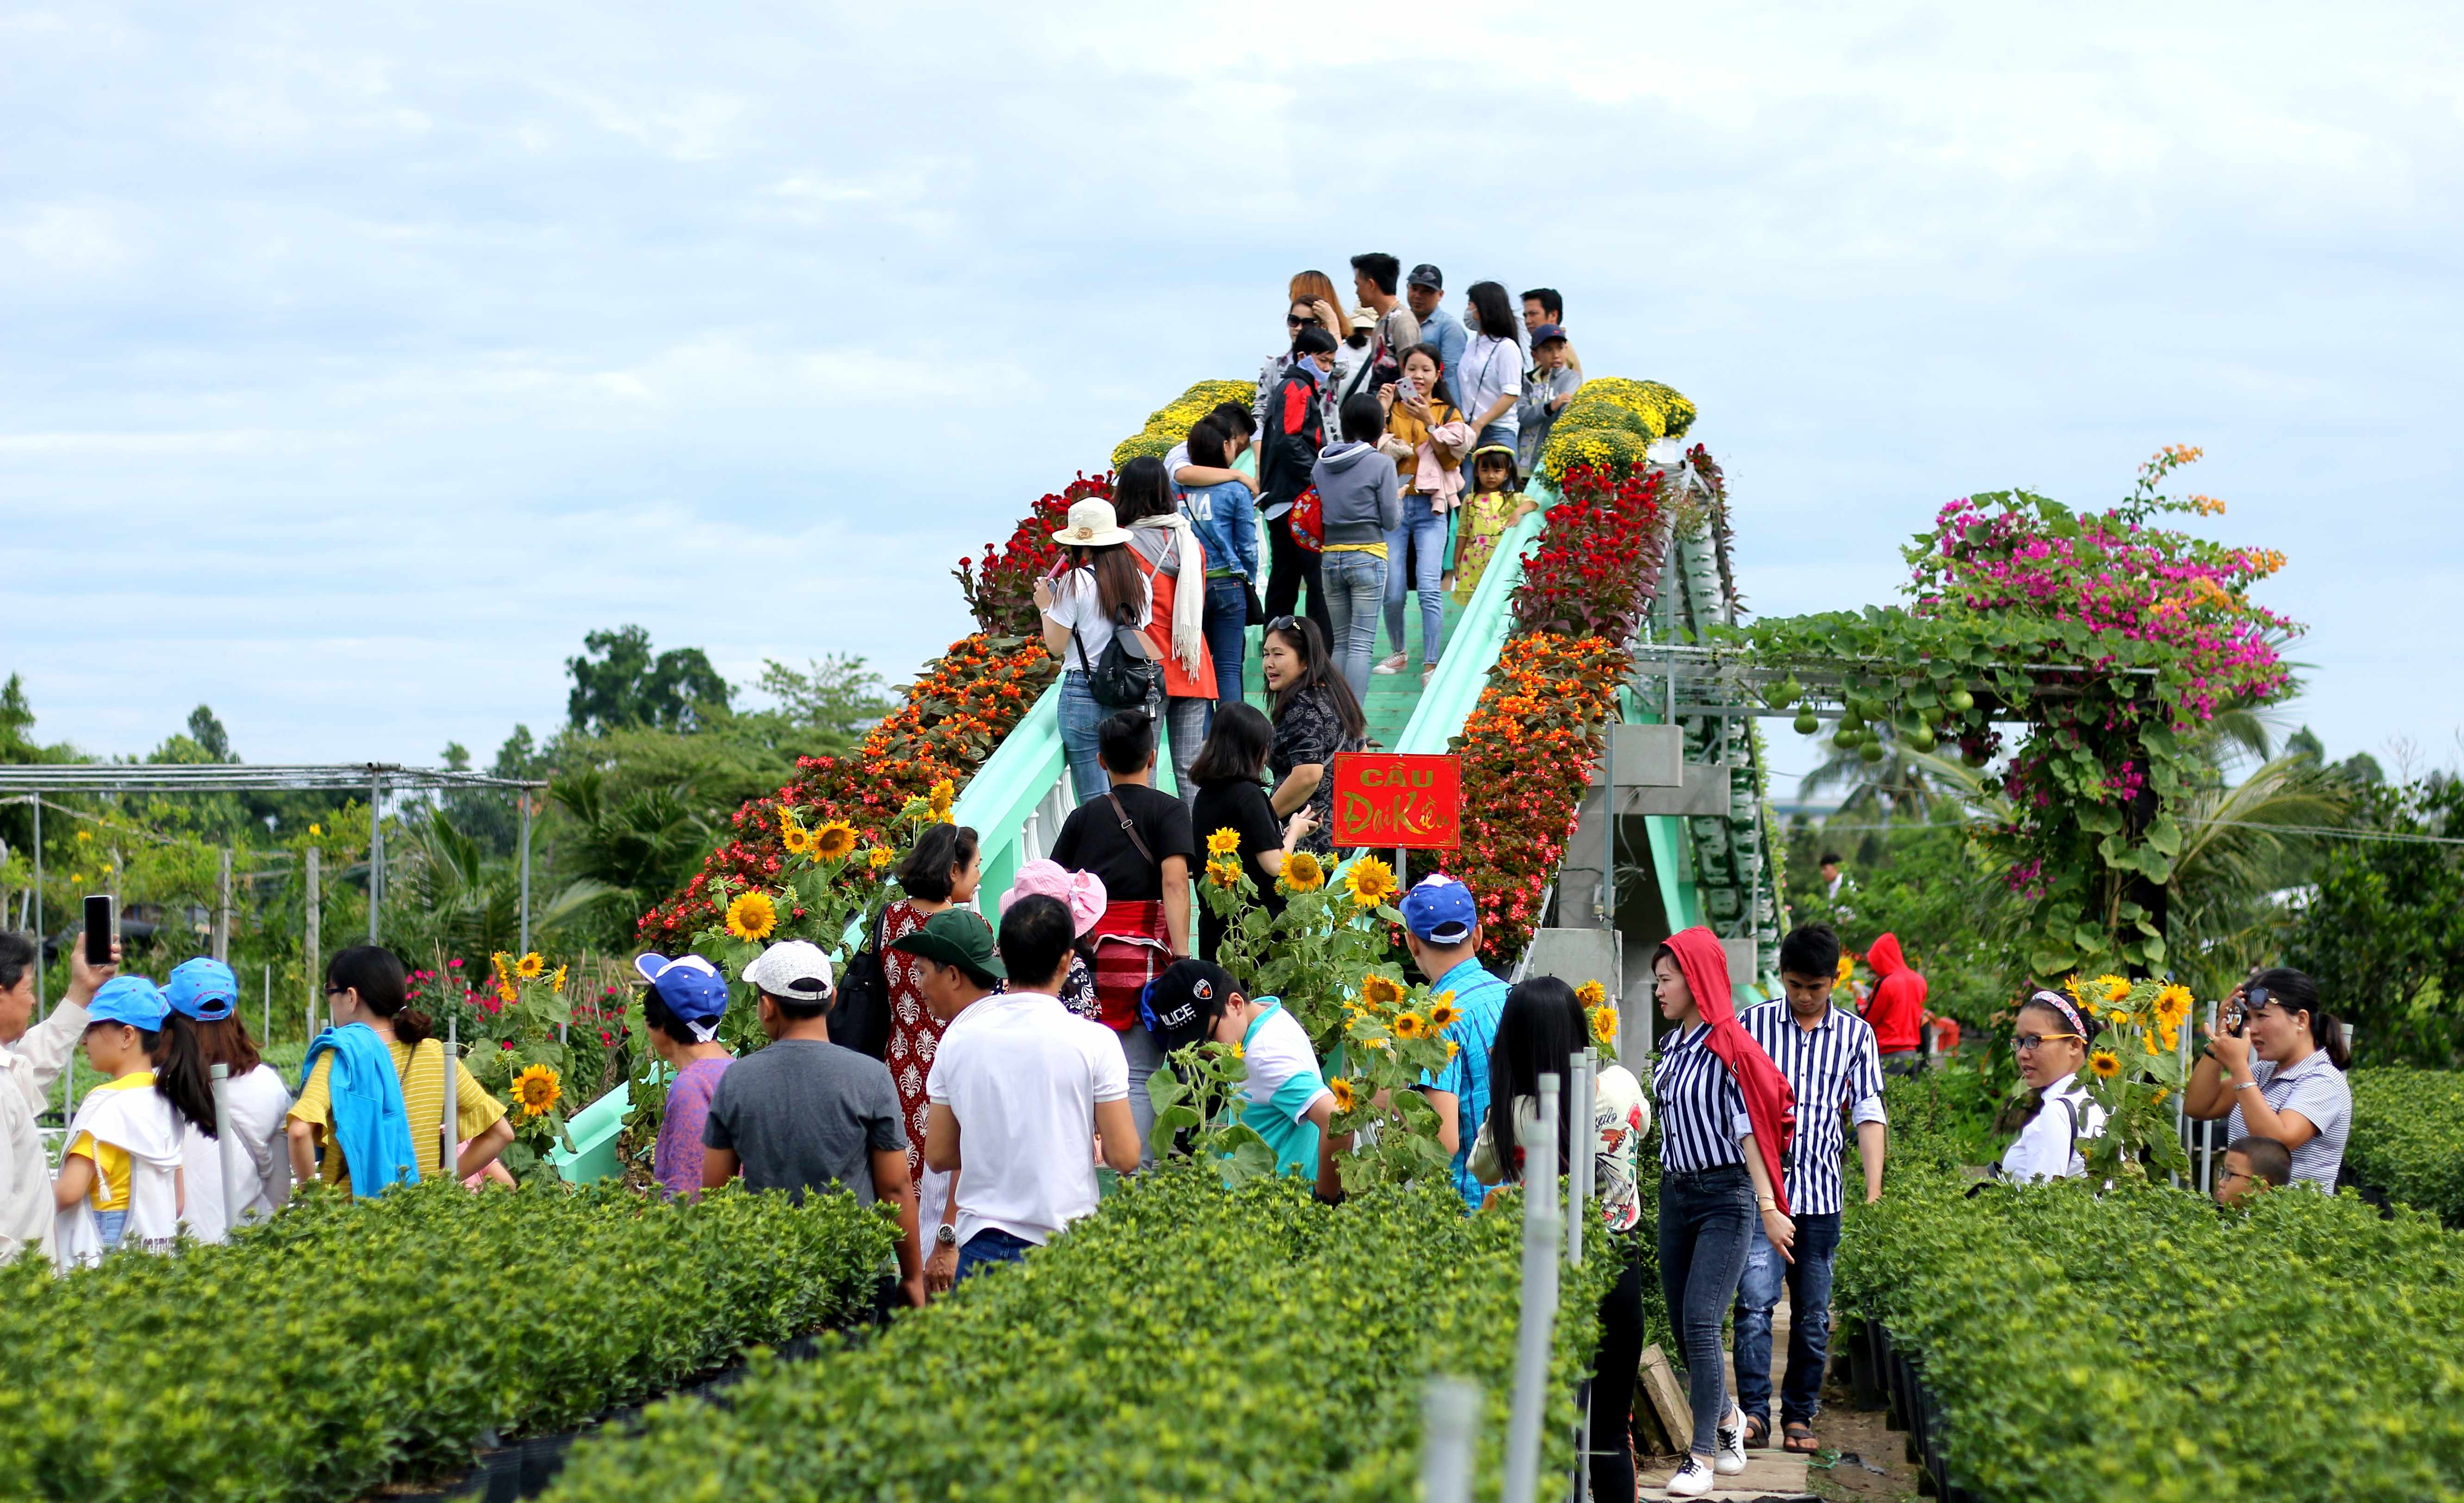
[(1539, 1313)]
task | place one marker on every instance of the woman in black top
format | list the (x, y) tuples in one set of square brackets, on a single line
[(1316, 716), (1230, 774)]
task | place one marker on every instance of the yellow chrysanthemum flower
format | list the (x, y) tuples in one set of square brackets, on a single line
[(882, 856), (2106, 1063), (530, 967), (1223, 841), (537, 1090), (1409, 1025), (1301, 872), (1604, 1024), (1345, 1097), (1372, 882), (752, 916), (1591, 995), (1376, 991), (833, 841), (945, 796), (1442, 1011)]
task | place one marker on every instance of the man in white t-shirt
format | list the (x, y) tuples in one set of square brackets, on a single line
[(1020, 1094)]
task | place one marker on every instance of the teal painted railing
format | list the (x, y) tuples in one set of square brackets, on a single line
[(1479, 636), (594, 1130)]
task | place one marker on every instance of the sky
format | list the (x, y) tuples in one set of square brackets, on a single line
[(356, 361)]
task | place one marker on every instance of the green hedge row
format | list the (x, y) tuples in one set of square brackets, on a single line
[(348, 1341), (1186, 1342), (2406, 1128), (2147, 1345)]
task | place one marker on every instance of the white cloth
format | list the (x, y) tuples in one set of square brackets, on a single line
[(246, 1174), (1023, 1076), (29, 1069), (1078, 605), (141, 1124), (1490, 369), (1188, 595), (1276, 1051), (2045, 1149)]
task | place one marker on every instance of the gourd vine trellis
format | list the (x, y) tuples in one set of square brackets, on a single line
[(2108, 643)]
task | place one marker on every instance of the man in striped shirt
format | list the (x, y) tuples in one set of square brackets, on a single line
[(1831, 1062)]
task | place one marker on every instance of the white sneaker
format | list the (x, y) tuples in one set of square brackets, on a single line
[(1731, 1435), (1694, 1480), (1393, 665)]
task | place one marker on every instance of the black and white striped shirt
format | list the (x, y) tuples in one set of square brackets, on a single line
[(1832, 1065), (1702, 1112)]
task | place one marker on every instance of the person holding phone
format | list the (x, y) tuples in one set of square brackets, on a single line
[(32, 1056), (1428, 437), (2275, 1065)]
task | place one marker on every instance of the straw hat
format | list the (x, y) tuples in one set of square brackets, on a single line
[(1092, 524)]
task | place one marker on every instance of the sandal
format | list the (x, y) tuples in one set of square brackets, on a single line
[(1799, 1439), (1757, 1431)]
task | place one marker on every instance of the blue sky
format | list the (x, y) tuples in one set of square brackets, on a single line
[(358, 361)]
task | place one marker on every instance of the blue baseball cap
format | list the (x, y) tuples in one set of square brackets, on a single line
[(132, 1000), (1441, 910), (203, 988), (691, 987)]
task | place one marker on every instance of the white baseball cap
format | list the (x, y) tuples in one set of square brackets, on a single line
[(795, 969)]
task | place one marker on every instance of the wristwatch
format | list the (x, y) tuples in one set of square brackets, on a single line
[(945, 1236)]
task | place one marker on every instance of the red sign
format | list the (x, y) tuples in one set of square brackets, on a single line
[(1385, 799)]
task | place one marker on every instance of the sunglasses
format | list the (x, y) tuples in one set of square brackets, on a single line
[(1295, 321), (1283, 623), (2027, 1043)]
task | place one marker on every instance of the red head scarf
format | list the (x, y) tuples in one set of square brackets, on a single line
[(1769, 1098)]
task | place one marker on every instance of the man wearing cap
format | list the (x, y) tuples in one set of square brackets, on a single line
[(32, 1056), (1553, 383), (805, 1114), (1441, 930), (956, 967), (1426, 293), (682, 1007), (245, 1173)]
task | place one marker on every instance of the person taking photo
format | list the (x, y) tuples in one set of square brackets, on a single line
[(2278, 1072)]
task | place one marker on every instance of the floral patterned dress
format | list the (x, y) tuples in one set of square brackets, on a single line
[(913, 1033), (1480, 522)]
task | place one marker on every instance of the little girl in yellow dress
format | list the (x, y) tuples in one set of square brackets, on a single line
[(1495, 503)]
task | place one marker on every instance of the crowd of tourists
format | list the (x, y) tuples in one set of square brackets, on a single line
[(1382, 457)]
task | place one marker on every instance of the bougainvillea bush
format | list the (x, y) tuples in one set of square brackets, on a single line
[(1187, 1341), (2113, 640)]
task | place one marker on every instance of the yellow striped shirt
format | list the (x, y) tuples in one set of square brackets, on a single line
[(422, 1072)]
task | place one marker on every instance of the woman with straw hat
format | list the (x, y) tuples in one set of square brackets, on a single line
[(1095, 599)]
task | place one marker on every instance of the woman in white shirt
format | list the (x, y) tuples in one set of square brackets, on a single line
[(2051, 1046), (1488, 380), (1096, 594), (246, 1175)]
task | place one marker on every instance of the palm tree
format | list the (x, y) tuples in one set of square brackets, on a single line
[(636, 852), (460, 901)]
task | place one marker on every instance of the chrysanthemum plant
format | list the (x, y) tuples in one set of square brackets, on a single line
[(2134, 1067), (524, 1062)]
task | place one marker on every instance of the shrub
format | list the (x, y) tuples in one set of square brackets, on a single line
[(2142, 1344), (349, 1340), (1171, 423), (1186, 1342), (2406, 1126)]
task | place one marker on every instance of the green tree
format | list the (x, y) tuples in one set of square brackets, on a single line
[(2382, 932), (619, 685)]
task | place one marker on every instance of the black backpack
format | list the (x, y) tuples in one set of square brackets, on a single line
[(860, 1019), (1120, 679)]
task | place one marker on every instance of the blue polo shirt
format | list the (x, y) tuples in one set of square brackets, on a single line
[(1481, 1000)]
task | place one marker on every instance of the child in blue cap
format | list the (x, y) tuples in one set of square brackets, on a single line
[(246, 1173), (686, 999), (120, 1180)]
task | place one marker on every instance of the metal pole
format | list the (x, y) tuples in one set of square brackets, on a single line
[(1402, 877), (1608, 833), (220, 1075), (316, 941), (36, 800), (222, 909), (448, 1160), (1539, 1305), (2180, 1097), (266, 1036), (1578, 1138), (524, 800), (2207, 1139), (1449, 1434), (376, 852)]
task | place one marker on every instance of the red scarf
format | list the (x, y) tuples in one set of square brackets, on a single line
[(1769, 1098)]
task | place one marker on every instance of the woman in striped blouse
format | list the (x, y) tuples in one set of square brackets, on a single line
[(1726, 1113)]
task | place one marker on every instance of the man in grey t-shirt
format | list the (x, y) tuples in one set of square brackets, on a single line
[(804, 1113)]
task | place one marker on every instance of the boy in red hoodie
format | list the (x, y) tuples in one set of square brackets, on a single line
[(1896, 1011)]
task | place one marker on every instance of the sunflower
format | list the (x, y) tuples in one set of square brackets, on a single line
[(798, 841), (833, 841), (1847, 967), (2173, 1003), (789, 826), (502, 965), (752, 916), (530, 967), (1223, 873), (2106, 1063), (1409, 1025), (1223, 841), (1442, 1011), (1591, 995), (1345, 1097), (505, 992), (1376, 991), (1604, 1024), (881, 856), (537, 1091), (2115, 987), (1301, 872), (556, 983), (1372, 882)]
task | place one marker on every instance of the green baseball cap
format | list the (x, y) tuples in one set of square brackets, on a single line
[(957, 937)]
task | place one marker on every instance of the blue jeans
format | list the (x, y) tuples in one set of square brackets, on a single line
[(987, 1248), (1421, 539), (1079, 715), (109, 1226), (1705, 1222), (1355, 584), (1227, 637), (1808, 1282)]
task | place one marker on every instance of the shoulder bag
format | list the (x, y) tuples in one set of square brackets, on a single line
[(860, 1017)]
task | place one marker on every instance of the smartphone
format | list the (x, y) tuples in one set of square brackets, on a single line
[(98, 930), (2235, 1015)]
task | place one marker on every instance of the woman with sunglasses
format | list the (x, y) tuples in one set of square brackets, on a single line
[(2051, 1045), (2278, 1073), (1316, 716)]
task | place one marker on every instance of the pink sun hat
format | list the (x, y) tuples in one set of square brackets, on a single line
[(1083, 891)]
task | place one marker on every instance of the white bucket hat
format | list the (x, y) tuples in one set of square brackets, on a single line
[(1092, 524)]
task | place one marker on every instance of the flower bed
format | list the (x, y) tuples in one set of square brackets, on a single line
[(2137, 1345), (350, 1342), (2406, 1126), (1186, 1342), (1597, 565), (1171, 423), (1611, 422)]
